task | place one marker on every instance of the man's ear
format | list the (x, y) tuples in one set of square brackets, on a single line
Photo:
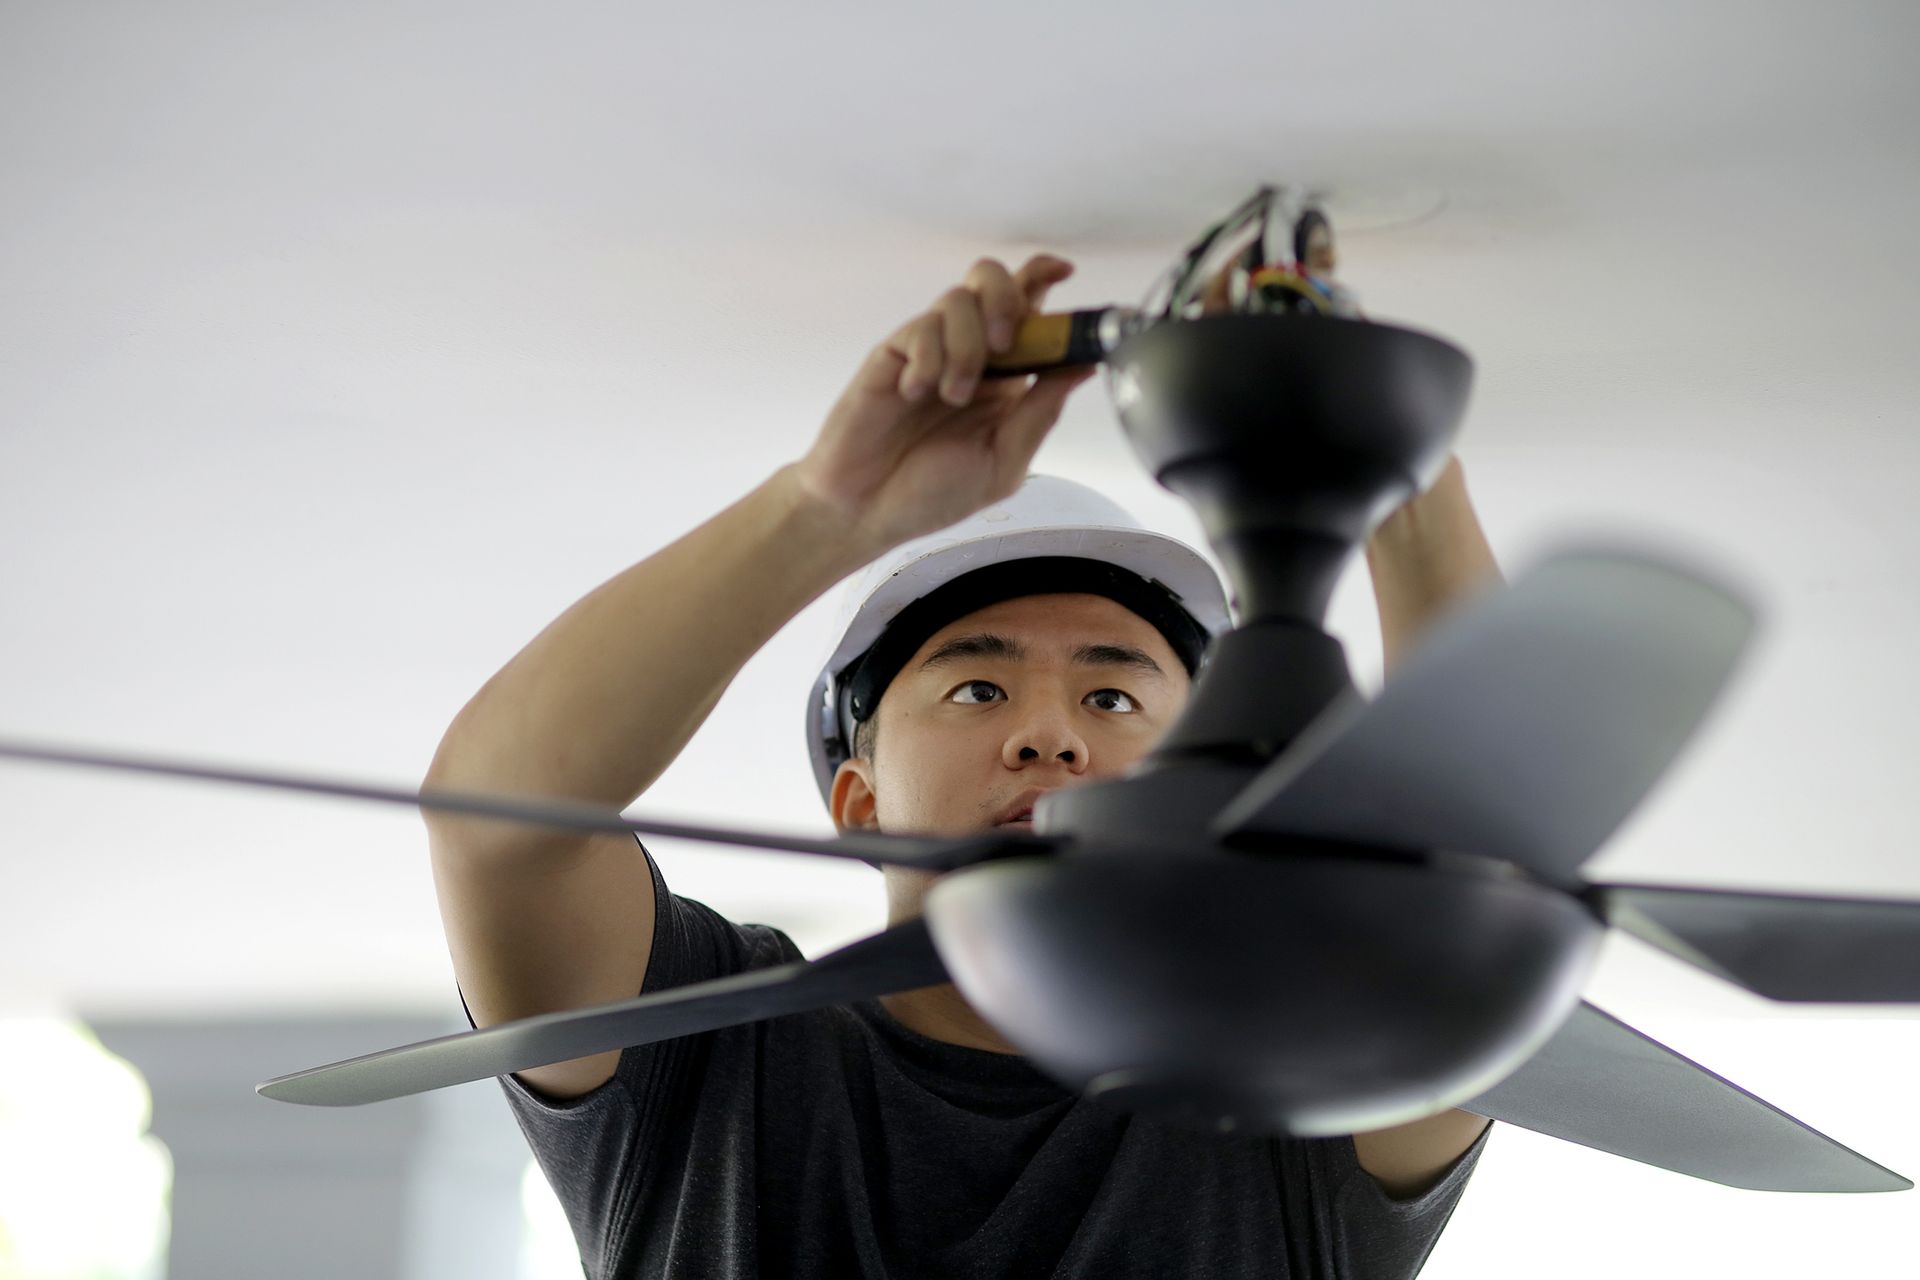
[(851, 799)]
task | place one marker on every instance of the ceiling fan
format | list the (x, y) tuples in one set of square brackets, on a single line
[(1306, 911)]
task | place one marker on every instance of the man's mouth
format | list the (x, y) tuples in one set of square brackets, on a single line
[(1020, 808)]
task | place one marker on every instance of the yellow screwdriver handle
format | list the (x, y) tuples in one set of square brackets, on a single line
[(1057, 341)]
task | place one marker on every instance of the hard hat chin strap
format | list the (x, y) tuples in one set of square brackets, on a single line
[(866, 678)]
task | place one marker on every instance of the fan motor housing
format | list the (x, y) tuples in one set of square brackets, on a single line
[(1309, 993)]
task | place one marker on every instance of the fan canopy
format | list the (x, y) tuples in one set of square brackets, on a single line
[(1292, 437), (1305, 991)]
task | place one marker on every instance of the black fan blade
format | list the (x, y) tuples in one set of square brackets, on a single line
[(902, 958), (1524, 728), (927, 853), (1600, 1083), (1779, 945)]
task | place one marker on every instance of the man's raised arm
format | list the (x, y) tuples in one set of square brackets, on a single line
[(601, 702), (1427, 560)]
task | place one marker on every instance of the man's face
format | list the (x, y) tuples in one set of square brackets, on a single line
[(1030, 694)]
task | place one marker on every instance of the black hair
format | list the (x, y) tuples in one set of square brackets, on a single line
[(868, 676), (866, 741)]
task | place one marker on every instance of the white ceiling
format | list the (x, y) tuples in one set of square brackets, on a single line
[(341, 348)]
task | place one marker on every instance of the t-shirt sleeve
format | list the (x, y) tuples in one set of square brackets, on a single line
[(597, 1150), (1379, 1237)]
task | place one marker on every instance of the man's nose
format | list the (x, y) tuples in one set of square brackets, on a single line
[(1045, 737)]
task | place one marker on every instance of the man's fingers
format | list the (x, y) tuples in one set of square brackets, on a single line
[(1040, 273), (964, 339), (949, 345), (918, 343), (1002, 301)]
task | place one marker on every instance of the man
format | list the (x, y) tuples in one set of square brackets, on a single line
[(899, 1137)]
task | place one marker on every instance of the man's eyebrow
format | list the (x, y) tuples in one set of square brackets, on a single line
[(1116, 655), (983, 644), (986, 644)]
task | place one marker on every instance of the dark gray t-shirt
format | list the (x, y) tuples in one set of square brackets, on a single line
[(841, 1144)]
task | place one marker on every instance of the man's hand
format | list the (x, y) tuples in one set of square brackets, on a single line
[(1428, 559), (918, 441)]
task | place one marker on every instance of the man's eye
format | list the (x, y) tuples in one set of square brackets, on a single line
[(970, 687), (1126, 700)]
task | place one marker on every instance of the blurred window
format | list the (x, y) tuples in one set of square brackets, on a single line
[(85, 1190)]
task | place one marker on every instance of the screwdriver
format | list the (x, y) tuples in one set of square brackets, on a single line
[(1064, 339)]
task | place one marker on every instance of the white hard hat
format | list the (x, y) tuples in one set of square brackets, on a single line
[(1066, 531)]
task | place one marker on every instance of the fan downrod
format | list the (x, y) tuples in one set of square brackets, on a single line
[(1292, 438)]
